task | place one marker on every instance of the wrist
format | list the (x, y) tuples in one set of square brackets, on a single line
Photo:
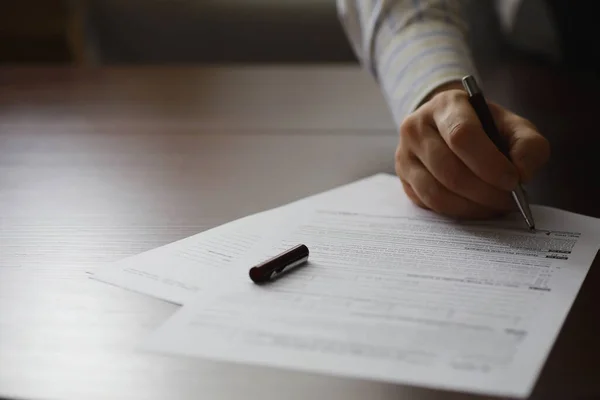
[(453, 85)]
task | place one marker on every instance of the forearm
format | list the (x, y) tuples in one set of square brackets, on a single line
[(411, 47)]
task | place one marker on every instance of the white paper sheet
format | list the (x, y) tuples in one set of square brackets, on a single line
[(177, 271), (396, 294)]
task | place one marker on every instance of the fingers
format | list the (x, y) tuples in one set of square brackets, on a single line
[(448, 164), (459, 127), (529, 150), (427, 192), (454, 175)]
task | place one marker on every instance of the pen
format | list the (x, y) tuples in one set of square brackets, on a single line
[(487, 121), (275, 266)]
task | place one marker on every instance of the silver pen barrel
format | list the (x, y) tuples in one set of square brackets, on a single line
[(521, 200)]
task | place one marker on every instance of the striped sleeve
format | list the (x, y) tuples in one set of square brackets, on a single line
[(410, 47)]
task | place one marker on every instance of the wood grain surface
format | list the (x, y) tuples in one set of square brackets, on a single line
[(96, 165)]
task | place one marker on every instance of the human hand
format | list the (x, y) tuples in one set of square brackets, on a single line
[(447, 163)]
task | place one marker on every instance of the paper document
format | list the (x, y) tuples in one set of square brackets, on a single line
[(176, 271), (398, 294)]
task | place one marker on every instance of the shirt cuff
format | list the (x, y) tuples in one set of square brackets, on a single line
[(413, 62)]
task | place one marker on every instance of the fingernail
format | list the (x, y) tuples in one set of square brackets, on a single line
[(510, 181), (527, 166)]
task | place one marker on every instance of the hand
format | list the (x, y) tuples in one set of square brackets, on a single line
[(447, 163)]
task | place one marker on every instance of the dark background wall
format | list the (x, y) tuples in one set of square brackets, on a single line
[(193, 31)]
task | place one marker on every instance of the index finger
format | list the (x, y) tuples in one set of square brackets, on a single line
[(460, 128)]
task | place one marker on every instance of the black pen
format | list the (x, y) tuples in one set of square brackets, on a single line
[(277, 265), (487, 121)]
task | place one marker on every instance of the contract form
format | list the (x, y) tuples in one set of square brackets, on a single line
[(176, 271), (397, 294)]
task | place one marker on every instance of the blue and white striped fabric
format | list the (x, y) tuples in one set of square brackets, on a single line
[(410, 46), (413, 46)]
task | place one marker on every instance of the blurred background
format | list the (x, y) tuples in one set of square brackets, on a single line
[(96, 32), (171, 31)]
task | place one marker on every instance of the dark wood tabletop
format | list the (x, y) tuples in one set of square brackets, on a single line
[(99, 164)]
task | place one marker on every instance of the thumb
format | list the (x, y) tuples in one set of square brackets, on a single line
[(529, 150)]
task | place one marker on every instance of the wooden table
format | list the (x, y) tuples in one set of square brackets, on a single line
[(100, 164)]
